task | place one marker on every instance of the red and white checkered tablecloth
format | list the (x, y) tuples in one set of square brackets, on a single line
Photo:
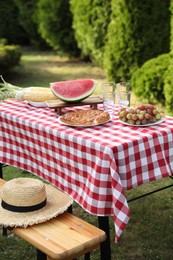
[(93, 165)]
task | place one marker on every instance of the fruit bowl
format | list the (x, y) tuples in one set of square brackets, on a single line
[(146, 114)]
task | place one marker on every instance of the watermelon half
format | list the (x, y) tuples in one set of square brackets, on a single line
[(74, 90)]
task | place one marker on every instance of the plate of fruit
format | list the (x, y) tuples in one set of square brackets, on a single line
[(143, 115)]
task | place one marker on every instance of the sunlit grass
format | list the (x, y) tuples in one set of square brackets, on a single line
[(37, 69)]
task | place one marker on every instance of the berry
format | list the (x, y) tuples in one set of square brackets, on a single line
[(142, 115)]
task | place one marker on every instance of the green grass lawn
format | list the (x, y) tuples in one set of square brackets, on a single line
[(149, 233), (39, 69)]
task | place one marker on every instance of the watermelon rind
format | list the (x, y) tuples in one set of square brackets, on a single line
[(73, 91)]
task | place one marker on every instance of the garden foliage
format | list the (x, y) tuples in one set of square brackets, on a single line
[(148, 81), (138, 31), (27, 20), (10, 28), (90, 22), (168, 86), (55, 25), (9, 57)]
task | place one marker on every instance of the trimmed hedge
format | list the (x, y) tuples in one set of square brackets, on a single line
[(55, 26), (9, 57), (10, 28), (168, 87), (90, 22), (138, 31), (27, 20), (148, 81)]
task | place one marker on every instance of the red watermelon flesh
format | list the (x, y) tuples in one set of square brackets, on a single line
[(73, 90)]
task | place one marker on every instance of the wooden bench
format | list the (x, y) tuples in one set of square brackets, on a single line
[(64, 237)]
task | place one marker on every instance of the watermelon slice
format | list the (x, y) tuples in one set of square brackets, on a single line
[(74, 90)]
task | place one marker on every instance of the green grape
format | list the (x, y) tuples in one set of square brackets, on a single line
[(158, 116), (129, 116), (121, 113), (131, 121), (138, 122), (141, 116), (124, 119)]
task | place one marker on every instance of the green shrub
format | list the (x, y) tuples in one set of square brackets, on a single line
[(168, 87), (27, 20), (55, 25), (138, 31), (148, 81), (90, 22), (9, 57), (10, 28), (3, 41)]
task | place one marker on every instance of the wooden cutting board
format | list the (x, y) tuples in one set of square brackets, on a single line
[(58, 105)]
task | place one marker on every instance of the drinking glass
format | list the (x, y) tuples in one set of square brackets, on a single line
[(109, 101), (124, 98), (123, 90), (108, 87), (123, 86)]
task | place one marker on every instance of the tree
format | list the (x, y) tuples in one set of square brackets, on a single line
[(27, 19), (138, 31), (10, 28), (55, 25), (168, 86), (90, 22)]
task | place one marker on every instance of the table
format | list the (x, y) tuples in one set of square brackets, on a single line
[(93, 165)]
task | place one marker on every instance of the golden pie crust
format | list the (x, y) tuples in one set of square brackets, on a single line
[(85, 117)]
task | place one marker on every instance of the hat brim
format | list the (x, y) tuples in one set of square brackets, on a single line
[(57, 203)]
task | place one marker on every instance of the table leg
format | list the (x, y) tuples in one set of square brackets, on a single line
[(41, 255), (105, 246)]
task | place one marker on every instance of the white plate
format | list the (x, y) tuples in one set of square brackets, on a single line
[(150, 124), (59, 120), (37, 104)]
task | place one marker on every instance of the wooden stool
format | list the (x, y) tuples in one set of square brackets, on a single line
[(64, 237)]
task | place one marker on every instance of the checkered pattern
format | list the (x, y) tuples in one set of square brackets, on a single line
[(93, 165)]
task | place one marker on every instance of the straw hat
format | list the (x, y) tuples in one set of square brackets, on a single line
[(28, 201)]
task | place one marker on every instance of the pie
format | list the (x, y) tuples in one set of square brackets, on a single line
[(85, 117)]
